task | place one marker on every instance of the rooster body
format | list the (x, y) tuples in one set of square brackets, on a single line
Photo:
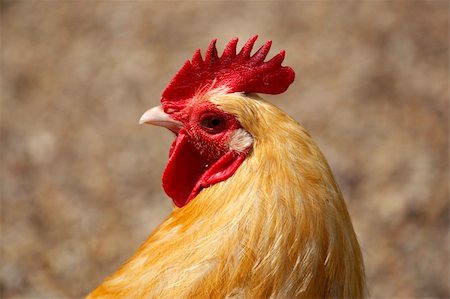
[(277, 227)]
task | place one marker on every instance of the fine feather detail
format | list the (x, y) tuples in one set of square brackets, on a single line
[(240, 140), (278, 228)]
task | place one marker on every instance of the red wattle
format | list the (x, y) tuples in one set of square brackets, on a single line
[(183, 170), (218, 172), (187, 171)]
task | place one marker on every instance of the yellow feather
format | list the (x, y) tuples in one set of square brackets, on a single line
[(278, 228)]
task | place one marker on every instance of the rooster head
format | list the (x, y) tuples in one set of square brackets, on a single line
[(210, 143)]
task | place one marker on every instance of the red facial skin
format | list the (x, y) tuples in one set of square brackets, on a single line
[(200, 155)]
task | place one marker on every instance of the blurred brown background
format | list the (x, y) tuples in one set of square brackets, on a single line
[(80, 179)]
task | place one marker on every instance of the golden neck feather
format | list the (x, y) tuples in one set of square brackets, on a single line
[(277, 228)]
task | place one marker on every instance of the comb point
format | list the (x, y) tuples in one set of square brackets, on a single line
[(262, 52), (276, 60), (247, 48), (230, 49), (211, 53), (197, 58)]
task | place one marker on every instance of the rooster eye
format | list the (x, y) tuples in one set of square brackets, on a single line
[(212, 124)]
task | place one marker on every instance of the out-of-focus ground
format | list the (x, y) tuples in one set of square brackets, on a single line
[(80, 179)]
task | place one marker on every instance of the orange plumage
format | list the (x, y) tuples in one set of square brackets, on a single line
[(277, 227)]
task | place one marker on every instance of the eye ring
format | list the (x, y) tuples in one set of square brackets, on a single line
[(213, 124)]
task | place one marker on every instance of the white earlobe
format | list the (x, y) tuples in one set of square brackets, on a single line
[(240, 140)]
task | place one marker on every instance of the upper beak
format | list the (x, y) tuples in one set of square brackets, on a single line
[(156, 116)]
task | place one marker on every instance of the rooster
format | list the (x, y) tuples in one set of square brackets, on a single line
[(258, 212)]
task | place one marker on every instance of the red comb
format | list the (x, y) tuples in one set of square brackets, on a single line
[(236, 72)]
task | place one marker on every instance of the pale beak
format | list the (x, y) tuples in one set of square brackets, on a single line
[(156, 116)]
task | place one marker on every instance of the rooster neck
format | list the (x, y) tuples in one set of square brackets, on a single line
[(280, 219), (277, 228)]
